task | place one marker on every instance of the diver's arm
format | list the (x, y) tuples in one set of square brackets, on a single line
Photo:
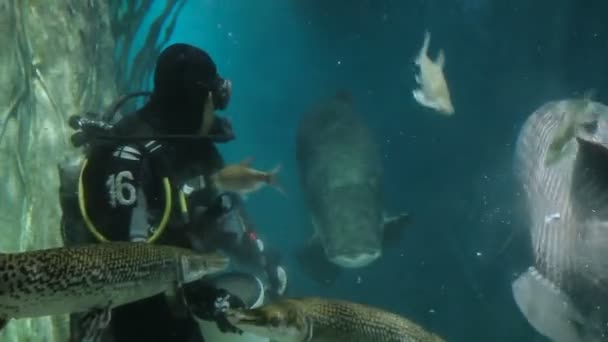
[(277, 276), (253, 250), (249, 248), (226, 218), (209, 303)]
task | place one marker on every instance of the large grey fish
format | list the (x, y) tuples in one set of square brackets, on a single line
[(94, 279), (561, 160), (341, 177), (314, 319)]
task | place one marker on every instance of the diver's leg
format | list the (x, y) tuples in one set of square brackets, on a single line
[(151, 319)]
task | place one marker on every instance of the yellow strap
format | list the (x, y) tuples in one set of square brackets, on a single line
[(87, 220), (183, 205)]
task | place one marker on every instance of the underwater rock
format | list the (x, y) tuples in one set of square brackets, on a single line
[(54, 62), (60, 58)]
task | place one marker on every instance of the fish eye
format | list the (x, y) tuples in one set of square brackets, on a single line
[(275, 321), (590, 127)]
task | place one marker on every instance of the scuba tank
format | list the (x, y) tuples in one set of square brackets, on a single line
[(94, 127), (91, 125), (87, 125)]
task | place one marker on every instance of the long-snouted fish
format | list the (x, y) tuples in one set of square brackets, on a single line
[(314, 319), (561, 160), (94, 279)]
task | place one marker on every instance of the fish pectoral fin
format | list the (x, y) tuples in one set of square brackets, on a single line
[(393, 227), (176, 301), (311, 258), (396, 221), (440, 59), (3, 322), (314, 240), (421, 98), (547, 309), (247, 161), (94, 322)]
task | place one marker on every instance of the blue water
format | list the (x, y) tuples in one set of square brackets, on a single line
[(452, 270)]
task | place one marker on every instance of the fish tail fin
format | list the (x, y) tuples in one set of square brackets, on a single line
[(273, 179)]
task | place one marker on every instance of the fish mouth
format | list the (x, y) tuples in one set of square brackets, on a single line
[(356, 260), (590, 175), (240, 317), (445, 109)]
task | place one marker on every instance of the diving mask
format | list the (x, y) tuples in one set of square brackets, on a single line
[(222, 94)]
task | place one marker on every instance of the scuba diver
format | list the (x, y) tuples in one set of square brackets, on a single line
[(147, 177)]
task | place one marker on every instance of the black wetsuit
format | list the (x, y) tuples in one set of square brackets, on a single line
[(125, 183), (121, 176)]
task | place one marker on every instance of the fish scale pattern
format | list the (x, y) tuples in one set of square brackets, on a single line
[(358, 323)]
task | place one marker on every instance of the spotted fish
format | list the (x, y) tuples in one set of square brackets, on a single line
[(94, 279), (314, 319), (561, 160)]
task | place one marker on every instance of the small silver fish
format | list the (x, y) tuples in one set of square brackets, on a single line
[(433, 92), (243, 179)]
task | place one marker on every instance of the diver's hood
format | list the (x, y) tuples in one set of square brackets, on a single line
[(183, 78), (183, 73), (187, 91)]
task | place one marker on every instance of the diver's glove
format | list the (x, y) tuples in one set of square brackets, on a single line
[(221, 131), (277, 277), (87, 127), (222, 205), (221, 304), (206, 203), (210, 304)]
